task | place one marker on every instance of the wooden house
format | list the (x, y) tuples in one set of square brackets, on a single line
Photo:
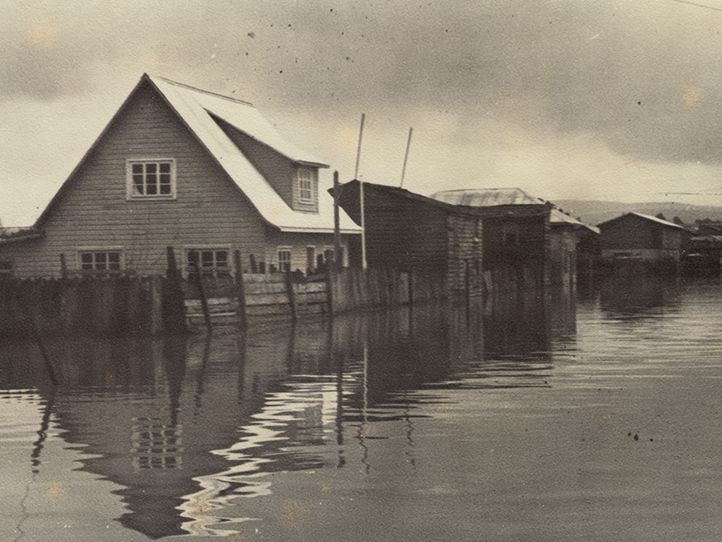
[(182, 167), (404, 230), (634, 237), (517, 241)]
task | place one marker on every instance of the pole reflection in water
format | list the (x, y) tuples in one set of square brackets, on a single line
[(193, 429)]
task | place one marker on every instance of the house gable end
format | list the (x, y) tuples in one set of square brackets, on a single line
[(94, 208)]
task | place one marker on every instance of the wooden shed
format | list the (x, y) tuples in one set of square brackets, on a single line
[(409, 231), (516, 242), (639, 238)]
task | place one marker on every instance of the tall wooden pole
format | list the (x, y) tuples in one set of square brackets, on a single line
[(336, 224), (361, 195), (240, 290), (406, 158)]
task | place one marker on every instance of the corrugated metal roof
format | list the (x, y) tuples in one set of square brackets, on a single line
[(487, 197), (195, 108)]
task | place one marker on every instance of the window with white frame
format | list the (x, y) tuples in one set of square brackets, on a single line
[(209, 261), (305, 185), (284, 259), (151, 179), (94, 261)]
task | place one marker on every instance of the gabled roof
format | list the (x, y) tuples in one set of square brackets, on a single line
[(349, 191), (491, 197), (196, 109), (487, 197), (645, 217)]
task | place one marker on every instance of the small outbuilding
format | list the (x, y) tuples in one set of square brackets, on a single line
[(408, 231), (526, 238), (639, 238)]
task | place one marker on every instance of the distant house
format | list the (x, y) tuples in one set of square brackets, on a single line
[(523, 235), (409, 231), (182, 167), (643, 238)]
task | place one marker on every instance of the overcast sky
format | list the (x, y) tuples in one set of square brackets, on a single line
[(614, 100)]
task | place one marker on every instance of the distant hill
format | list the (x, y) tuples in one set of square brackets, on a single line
[(596, 212)]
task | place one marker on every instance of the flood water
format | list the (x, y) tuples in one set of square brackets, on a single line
[(595, 418)]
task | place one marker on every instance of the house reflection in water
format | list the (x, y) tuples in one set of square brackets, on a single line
[(188, 426)]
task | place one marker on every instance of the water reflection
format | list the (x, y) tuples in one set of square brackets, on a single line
[(191, 426), (639, 295)]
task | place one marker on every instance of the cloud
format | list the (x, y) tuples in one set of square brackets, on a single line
[(486, 85)]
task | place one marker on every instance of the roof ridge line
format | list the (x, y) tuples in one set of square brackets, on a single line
[(190, 87)]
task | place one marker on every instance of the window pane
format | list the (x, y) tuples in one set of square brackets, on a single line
[(165, 167), (137, 169), (150, 168), (86, 260), (137, 184), (207, 258), (165, 184), (221, 258), (100, 259)]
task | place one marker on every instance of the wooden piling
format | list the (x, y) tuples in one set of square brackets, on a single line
[(291, 296), (240, 290), (202, 295), (63, 267), (173, 304)]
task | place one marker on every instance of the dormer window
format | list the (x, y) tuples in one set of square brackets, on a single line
[(152, 179), (305, 185)]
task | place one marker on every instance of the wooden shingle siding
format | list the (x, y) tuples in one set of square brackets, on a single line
[(94, 210)]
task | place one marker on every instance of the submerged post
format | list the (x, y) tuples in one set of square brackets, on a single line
[(240, 289), (173, 305), (201, 292), (291, 295), (63, 267)]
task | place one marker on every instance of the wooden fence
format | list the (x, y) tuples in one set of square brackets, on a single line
[(114, 305), (132, 305)]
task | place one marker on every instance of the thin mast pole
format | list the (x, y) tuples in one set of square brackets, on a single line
[(406, 157), (361, 195)]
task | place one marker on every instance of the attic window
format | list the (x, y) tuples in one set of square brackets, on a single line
[(151, 179), (305, 185)]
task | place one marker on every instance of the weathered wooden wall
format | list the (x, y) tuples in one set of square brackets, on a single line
[(384, 287), (117, 306), (279, 295)]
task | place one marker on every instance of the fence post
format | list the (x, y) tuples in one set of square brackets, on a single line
[(202, 294), (173, 303), (63, 267), (240, 289), (291, 295)]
